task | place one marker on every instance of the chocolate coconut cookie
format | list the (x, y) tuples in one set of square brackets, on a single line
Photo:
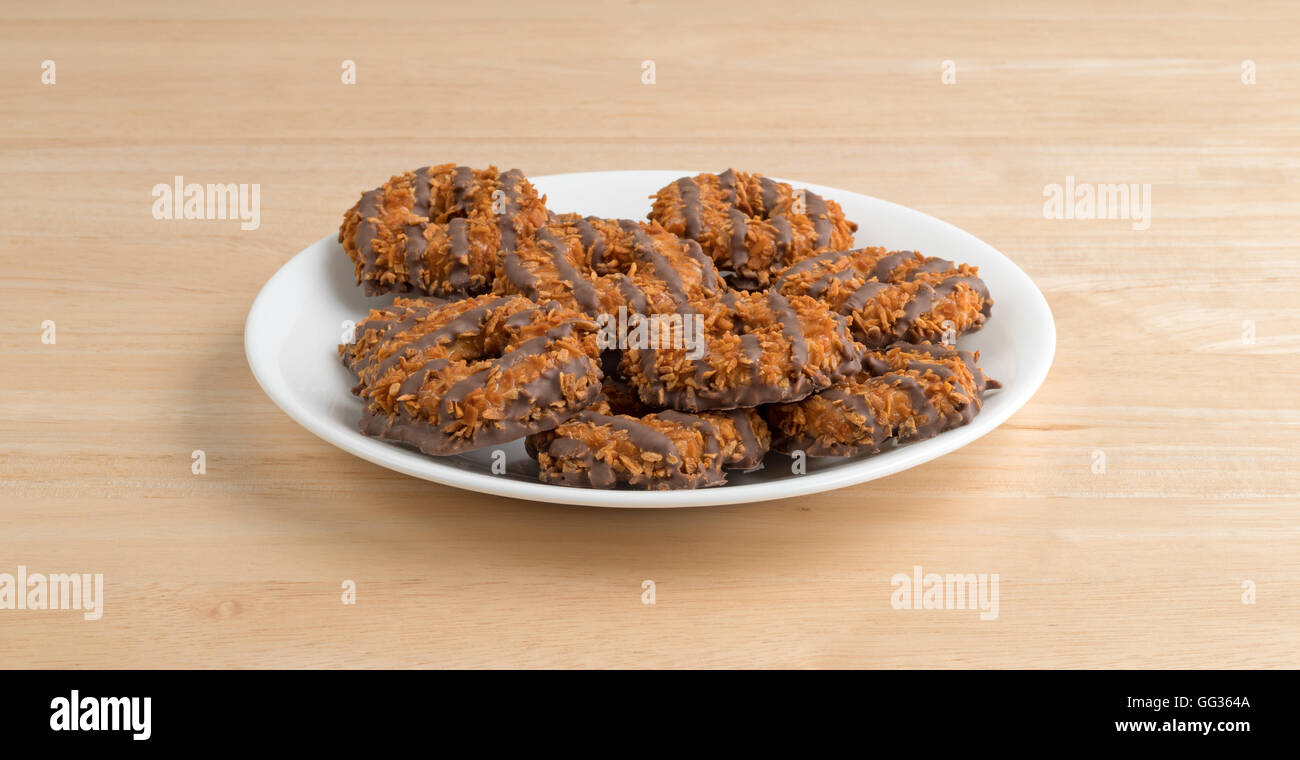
[(906, 393), (478, 372), (657, 451), (598, 266), (893, 296), (750, 225), (439, 230), (660, 451), (757, 348)]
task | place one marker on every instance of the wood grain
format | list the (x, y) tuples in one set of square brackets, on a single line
[(1141, 566)]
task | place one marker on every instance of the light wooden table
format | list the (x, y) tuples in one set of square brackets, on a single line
[(1142, 566)]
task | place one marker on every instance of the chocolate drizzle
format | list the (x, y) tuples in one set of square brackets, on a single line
[(817, 212), (509, 185), (416, 243), (739, 227), (458, 255), (784, 233), (692, 207), (583, 291), (632, 295), (592, 241), (709, 279), (462, 182), (790, 328), (886, 266), (367, 232)]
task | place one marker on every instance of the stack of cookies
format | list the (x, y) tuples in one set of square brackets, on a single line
[(660, 354)]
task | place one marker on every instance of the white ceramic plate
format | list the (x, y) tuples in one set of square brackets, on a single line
[(298, 320)]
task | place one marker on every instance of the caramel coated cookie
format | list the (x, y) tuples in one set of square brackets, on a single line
[(477, 372), (890, 296), (657, 451), (751, 226), (907, 393), (753, 348), (661, 451), (599, 265), (439, 230)]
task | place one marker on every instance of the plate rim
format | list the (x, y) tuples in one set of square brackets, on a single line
[(382, 453)]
